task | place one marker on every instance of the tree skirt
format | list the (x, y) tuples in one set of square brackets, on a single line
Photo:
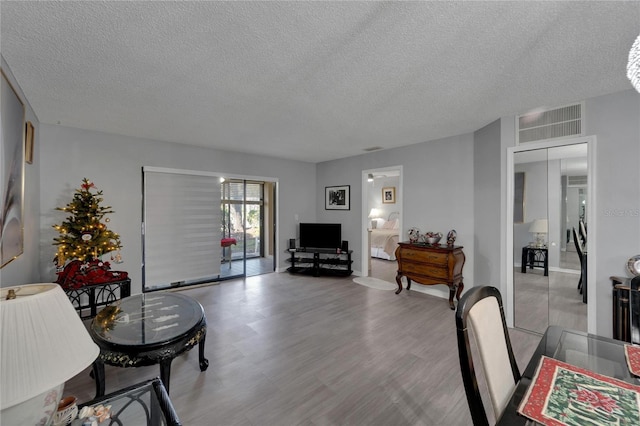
[(375, 283)]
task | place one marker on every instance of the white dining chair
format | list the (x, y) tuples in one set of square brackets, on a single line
[(481, 310)]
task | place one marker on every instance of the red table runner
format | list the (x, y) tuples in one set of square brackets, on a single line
[(632, 353), (563, 394)]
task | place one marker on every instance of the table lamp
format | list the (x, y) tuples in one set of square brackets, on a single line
[(374, 214), (43, 343), (539, 228)]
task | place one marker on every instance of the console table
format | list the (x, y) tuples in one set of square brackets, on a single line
[(90, 297), (535, 257), (431, 264)]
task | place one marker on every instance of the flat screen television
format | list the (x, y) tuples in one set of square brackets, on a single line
[(320, 235)]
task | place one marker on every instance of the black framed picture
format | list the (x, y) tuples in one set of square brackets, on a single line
[(337, 197)]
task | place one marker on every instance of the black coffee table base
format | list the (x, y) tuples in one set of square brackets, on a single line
[(162, 355)]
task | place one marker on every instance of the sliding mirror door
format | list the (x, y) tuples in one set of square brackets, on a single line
[(530, 248), (550, 200)]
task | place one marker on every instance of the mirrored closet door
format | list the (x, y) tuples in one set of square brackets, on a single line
[(550, 200)]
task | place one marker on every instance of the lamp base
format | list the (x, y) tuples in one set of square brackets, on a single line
[(38, 410)]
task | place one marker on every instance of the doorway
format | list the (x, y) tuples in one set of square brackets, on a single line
[(382, 221), (544, 202)]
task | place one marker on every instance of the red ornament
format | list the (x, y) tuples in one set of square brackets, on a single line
[(88, 184)]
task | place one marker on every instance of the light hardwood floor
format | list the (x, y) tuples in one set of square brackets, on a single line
[(296, 350)]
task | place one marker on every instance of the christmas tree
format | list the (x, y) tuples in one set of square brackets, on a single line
[(83, 236)]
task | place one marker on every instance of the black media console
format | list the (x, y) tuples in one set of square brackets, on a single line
[(320, 262)]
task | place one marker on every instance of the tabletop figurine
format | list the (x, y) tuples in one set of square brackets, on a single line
[(451, 237), (414, 235)]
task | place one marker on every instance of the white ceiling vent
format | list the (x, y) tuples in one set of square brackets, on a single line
[(562, 122), (576, 181)]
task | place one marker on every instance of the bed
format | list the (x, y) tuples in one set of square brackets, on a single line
[(385, 237)]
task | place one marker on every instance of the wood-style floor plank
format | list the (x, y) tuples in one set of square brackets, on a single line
[(296, 350)]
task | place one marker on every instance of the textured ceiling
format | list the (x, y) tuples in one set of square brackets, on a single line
[(310, 81)]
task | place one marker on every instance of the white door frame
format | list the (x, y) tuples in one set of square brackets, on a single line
[(366, 251), (591, 210)]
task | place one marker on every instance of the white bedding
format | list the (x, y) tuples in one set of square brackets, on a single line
[(384, 243)]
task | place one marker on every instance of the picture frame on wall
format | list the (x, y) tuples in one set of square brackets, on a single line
[(389, 195), (12, 174), (337, 197)]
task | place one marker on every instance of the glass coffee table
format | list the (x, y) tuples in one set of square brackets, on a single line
[(147, 329)]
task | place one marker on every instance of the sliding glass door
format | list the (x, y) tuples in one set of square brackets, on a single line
[(247, 221), (199, 227)]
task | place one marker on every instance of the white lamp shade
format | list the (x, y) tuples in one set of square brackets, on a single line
[(43, 342), (633, 66), (374, 213), (539, 226)]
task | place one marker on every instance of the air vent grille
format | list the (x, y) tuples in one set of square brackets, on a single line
[(550, 124), (576, 180)]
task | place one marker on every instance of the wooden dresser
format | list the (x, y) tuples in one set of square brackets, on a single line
[(431, 264)]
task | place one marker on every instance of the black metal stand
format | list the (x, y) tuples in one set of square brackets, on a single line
[(90, 297)]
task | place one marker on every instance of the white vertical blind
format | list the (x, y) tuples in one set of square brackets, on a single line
[(182, 227)]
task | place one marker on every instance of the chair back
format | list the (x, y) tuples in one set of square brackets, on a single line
[(578, 244), (481, 309), (582, 229)]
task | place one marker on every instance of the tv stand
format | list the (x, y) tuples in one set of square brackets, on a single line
[(319, 262)]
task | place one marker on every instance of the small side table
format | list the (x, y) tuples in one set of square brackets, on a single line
[(90, 297), (535, 257), (146, 403)]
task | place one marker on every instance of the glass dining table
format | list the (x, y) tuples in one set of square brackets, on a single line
[(587, 351)]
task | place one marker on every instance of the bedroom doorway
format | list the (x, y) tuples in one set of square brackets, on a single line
[(381, 221)]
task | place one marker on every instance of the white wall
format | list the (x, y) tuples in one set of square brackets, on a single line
[(615, 120), (486, 205), (114, 163), (438, 193), (24, 269)]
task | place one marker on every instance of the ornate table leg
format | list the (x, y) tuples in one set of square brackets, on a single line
[(204, 363), (452, 290), (399, 282), (98, 376), (460, 288)]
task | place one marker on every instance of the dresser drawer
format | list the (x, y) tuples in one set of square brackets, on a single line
[(425, 270), (434, 257)]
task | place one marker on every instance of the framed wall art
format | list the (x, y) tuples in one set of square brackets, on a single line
[(12, 175), (337, 197), (389, 195)]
